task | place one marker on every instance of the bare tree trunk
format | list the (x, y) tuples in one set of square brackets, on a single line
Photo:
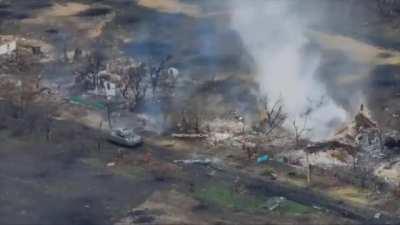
[(380, 136), (99, 137), (49, 130), (109, 112), (308, 169)]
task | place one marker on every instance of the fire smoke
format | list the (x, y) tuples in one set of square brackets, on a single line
[(276, 39)]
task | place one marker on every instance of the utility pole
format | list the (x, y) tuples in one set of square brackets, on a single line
[(309, 168)]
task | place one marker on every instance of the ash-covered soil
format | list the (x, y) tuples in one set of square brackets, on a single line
[(79, 178)]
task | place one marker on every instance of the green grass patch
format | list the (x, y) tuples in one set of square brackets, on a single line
[(94, 104), (94, 162), (223, 195), (62, 188), (125, 170), (290, 207), (129, 171)]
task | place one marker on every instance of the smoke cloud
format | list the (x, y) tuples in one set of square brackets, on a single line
[(275, 37)]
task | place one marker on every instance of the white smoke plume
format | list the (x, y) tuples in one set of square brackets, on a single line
[(276, 39)]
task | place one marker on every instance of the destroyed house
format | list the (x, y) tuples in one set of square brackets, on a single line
[(106, 84)]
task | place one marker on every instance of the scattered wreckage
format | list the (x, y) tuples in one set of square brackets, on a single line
[(361, 134), (125, 137), (201, 160), (190, 136), (362, 145), (194, 161)]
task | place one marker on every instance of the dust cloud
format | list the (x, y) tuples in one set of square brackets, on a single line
[(287, 65)]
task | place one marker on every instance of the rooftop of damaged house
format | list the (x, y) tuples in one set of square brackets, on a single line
[(153, 112)]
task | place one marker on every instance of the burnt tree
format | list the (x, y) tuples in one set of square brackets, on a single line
[(155, 73), (135, 85), (87, 74), (272, 115)]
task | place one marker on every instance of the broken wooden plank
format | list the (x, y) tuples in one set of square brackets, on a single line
[(193, 136), (330, 145)]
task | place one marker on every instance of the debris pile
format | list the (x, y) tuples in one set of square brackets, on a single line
[(200, 160), (218, 131), (389, 171), (362, 136), (226, 130), (362, 140)]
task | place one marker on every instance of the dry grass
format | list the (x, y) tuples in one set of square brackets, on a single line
[(340, 155), (350, 194), (57, 10), (390, 173), (172, 6), (67, 9), (65, 14), (358, 51)]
